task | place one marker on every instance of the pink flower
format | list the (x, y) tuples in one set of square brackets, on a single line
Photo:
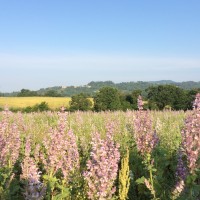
[(191, 139), (145, 137), (196, 103), (140, 103), (102, 167), (34, 189), (9, 141), (61, 150)]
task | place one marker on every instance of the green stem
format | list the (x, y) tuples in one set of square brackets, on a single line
[(62, 188), (151, 180), (151, 176), (50, 189), (191, 193)]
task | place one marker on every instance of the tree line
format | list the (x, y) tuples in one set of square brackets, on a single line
[(109, 98), (155, 98)]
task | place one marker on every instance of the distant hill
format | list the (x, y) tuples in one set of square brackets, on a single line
[(92, 87)]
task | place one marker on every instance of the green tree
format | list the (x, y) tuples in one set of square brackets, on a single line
[(1, 94), (107, 98), (27, 93), (135, 94), (165, 96), (80, 102), (125, 104), (52, 93), (191, 97)]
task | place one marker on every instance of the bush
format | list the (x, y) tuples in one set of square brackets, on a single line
[(40, 107), (36, 108), (80, 102), (107, 98)]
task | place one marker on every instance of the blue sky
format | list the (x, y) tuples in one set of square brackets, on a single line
[(51, 43)]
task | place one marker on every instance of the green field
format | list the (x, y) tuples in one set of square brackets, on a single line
[(22, 102)]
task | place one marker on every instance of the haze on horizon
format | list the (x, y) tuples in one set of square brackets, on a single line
[(55, 43)]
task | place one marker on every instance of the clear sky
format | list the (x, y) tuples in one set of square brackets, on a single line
[(47, 43)]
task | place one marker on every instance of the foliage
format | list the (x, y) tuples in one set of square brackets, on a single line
[(191, 97), (164, 96), (40, 107), (158, 95), (80, 102), (125, 105), (107, 98), (132, 98), (27, 93), (52, 93), (43, 106)]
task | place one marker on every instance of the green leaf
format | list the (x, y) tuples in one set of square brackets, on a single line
[(196, 189), (140, 180), (65, 194), (154, 170)]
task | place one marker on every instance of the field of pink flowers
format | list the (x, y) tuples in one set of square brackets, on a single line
[(136, 155)]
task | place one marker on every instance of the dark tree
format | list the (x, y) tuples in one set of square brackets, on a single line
[(52, 93), (134, 96), (107, 98), (164, 96), (191, 96), (1, 94), (80, 102), (125, 104), (27, 93)]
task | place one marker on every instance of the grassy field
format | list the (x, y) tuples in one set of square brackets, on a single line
[(22, 102)]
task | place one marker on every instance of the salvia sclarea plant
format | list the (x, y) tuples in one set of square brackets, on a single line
[(33, 188), (146, 140), (61, 156), (9, 147), (188, 156), (102, 167)]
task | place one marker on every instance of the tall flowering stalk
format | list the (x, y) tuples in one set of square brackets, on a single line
[(9, 148), (191, 147), (102, 168), (140, 103), (191, 140), (124, 177), (33, 188), (146, 140), (9, 143), (181, 173), (145, 137), (196, 103), (61, 154)]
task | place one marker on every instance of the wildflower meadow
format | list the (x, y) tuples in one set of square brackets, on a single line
[(136, 155)]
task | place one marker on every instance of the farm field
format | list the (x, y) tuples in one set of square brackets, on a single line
[(87, 155), (22, 102)]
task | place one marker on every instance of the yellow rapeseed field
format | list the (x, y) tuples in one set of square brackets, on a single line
[(21, 102)]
